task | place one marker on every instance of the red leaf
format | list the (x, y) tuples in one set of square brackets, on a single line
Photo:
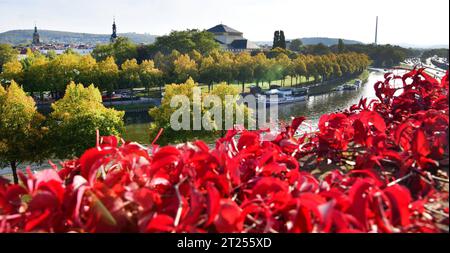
[(229, 218), (400, 199), (161, 223), (213, 203)]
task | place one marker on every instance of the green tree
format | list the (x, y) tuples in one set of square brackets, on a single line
[(20, 128), (124, 49), (282, 40), (319, 49), (102, 52), (75, 119), (185, 42), (341, 46), (296, 45)]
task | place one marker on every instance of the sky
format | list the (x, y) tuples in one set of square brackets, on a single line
[(418, 22)]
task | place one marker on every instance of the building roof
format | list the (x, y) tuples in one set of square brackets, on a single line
[(222, 29)]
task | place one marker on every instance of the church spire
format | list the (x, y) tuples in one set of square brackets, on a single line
[(114, 33), (36, 37)]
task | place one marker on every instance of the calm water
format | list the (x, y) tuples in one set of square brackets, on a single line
[(137, 125)]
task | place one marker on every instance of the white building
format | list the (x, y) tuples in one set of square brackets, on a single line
[(231, 39)]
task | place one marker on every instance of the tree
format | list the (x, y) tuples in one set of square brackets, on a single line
[(185, 42), (279, 40), (207, 71), (62, 70), (122, 49), (13, 70), (299, 67), (150, 76), (261, 67), (296, 45), (75, 119), (283, 67), (244, 68), (319, 49), (276, 40), (223, 90), (224, 62), (86, 67), (341, 46), (165, 63), (20, 128), (36, 76), (7, 54), (184, 68), (130, 75), (102, 52), (282, 40), (107, 75), (161, 115)]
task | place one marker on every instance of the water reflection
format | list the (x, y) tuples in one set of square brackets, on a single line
[(316, 106)]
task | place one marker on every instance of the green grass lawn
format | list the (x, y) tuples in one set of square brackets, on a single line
[(129, 107), (264, 85), (154, 91)]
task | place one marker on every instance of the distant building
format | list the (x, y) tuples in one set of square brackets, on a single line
[(36, 37), (231, 39), (114, 33)]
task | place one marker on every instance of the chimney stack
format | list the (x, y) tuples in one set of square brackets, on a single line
[(376, 32)]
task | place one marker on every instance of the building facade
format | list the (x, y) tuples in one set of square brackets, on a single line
[(231, 39)]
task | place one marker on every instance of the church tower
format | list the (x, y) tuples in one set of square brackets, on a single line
[(114, 33), (36, 37)]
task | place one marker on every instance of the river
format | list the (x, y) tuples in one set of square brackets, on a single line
[(312, 109)]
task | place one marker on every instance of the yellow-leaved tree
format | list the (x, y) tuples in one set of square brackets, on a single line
[(211, 127), (75, 119), (21, 129)]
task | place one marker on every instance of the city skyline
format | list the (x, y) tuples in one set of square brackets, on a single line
[(256, 19)]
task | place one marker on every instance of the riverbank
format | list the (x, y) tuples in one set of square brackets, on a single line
[(327, 87)]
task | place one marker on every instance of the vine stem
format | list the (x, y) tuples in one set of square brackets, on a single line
[(180, 202)]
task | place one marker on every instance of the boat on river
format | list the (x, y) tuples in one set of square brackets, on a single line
[(284, 96), (339, 88), (350, 87)]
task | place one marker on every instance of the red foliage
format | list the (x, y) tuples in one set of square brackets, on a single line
[(384, 154)]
